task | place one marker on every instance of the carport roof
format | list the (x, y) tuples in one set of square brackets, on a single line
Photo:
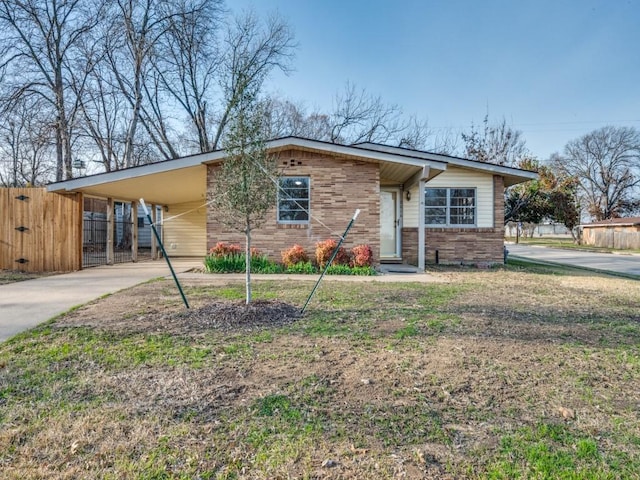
[(184, 179)]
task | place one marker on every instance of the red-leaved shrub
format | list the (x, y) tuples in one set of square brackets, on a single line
[(222, 249), (294, 255), (324, 251), (362, 256)]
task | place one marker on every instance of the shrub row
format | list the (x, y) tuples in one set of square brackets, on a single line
[(230, 258), (360, 256)]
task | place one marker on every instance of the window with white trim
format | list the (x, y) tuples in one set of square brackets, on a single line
[(450, 207), (293, 200)]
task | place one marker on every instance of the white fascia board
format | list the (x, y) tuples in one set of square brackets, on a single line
[(353, 150), (135, 172), (456, 161)]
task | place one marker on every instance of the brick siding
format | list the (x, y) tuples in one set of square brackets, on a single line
[(338, 187)]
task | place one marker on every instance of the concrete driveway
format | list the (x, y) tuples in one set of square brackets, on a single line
[(606, 262), (24, 305)]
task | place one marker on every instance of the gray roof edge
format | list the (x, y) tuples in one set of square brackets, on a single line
[(454, 161), (382, 153), (137, 171), (375, 154)]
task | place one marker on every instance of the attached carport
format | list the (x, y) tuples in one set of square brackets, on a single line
[(177, 186)]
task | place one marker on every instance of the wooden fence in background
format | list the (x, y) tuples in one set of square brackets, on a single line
[(614, 236), (40, 231)]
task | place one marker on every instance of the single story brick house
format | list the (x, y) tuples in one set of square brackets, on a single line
[(416, 207)]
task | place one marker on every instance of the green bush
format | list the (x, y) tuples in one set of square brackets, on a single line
[(235, 263), (347, 270), (262, 264), (302, 267)]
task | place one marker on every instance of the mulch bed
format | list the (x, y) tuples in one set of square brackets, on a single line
[(234, 316)]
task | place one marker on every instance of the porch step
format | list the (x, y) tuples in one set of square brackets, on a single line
[(397, 268)]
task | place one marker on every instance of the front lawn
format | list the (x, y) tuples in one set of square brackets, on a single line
[(516, 373)]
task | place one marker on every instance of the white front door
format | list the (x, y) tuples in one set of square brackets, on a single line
[(390, 223)]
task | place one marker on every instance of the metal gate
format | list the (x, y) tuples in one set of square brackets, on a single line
[(94, 238)]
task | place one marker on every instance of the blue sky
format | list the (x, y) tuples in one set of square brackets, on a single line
[(553, 69)]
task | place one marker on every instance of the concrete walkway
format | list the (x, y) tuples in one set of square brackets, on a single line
[(24, 305)]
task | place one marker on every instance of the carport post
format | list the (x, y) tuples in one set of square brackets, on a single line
[(110, 225), (164, 253), (134, 232), (154, 245)]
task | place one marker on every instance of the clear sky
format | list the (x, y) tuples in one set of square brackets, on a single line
[(554, 69)]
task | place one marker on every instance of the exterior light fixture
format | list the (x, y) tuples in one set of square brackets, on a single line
[(408, 195)]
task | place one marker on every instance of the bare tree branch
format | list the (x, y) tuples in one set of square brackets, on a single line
[(606, 163)]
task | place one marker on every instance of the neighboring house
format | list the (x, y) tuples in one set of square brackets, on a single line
[(417, 207), (616, 233)]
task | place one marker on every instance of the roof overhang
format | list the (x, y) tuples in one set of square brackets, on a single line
[(512, 176), (184, 179), (395, 168)]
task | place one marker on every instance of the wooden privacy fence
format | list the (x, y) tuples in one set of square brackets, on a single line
[(40, 231), (615, 236)]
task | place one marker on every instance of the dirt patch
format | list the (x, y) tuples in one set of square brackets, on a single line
[(206, 315), (236, 316)]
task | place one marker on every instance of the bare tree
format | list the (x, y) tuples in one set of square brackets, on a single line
[(104, 113), (357, 117), (361, 117), (27, 139), (41, 39), (134, 29), (187, 64), (499, 144), (250, 53), (287, 118), (606, 163)]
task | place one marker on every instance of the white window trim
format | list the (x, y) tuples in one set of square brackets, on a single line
[(294, 222), (448, 209)]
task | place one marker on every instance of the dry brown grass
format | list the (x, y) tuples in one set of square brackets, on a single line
[(459, 379)]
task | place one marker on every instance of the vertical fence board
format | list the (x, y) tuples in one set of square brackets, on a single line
[(53, 240), (6, 224)]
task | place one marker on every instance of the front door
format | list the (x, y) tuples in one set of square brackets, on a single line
[(390, 224)]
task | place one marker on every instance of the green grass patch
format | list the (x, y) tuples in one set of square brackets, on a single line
[(550, 450)]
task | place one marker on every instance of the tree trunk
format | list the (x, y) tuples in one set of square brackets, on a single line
[(247, 261)]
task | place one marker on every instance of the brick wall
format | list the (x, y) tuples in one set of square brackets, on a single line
[(338, 187), (461, 245)]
